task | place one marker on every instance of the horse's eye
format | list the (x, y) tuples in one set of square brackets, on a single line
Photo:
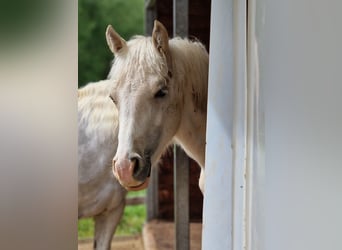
[(111, 97), (161, 93)]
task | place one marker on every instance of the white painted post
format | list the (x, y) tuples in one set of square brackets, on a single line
[(224, 210)]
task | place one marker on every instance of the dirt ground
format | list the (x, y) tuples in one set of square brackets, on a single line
[(160, 235), (157, 235), (119, 242)]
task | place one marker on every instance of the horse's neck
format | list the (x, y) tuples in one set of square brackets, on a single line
[(191, 135)]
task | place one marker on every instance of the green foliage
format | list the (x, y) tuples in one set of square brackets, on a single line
[(131, 223), (23, 22), (94, 56), (140, 193), (85, 228)]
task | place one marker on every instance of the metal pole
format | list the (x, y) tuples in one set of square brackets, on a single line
[(152, 190), (181, 199), (181, 160), (150, 16), (181, 18), (152, 195)]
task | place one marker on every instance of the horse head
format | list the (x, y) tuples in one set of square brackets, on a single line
[(148, 102)]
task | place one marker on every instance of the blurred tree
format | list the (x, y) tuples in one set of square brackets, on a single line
[(94, 56)]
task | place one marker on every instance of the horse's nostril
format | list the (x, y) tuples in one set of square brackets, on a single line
[(135, 162), (141, 168)]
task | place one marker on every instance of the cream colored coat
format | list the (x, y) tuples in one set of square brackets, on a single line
[(99, 194)]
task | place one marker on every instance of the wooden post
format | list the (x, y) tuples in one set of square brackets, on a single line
[(181, 160)]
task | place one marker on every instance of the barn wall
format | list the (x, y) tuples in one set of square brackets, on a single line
[(291, 197), (297, 199)]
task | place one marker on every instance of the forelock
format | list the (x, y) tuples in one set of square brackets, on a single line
[(138, 61)]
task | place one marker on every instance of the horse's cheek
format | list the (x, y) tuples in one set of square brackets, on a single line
[(172, 109), (158, 119)]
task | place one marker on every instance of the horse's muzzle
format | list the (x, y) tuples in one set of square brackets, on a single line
[(132, 172)]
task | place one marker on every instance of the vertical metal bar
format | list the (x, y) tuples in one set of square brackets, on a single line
[(152, 195), (152, 191), (181, 199), (180, 17), (150, 16), (181, 160)]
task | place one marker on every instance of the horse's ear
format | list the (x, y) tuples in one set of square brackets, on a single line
[(115, 42), (160, 37)]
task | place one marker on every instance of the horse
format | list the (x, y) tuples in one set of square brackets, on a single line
[(160, 89), (100, 195)]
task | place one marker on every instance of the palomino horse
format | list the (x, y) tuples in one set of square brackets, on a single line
[(99, 194), (160, 89)]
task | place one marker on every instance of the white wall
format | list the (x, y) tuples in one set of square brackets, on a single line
[(298, 43), (289, 114)]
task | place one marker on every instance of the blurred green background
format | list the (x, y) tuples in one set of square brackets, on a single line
[(131, 222), (94, 56)]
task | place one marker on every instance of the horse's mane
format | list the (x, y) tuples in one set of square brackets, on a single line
[(100, 88), (96, 111), (190, 62)]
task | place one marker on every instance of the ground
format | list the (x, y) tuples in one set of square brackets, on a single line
[(119, 242), (157, 235)]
